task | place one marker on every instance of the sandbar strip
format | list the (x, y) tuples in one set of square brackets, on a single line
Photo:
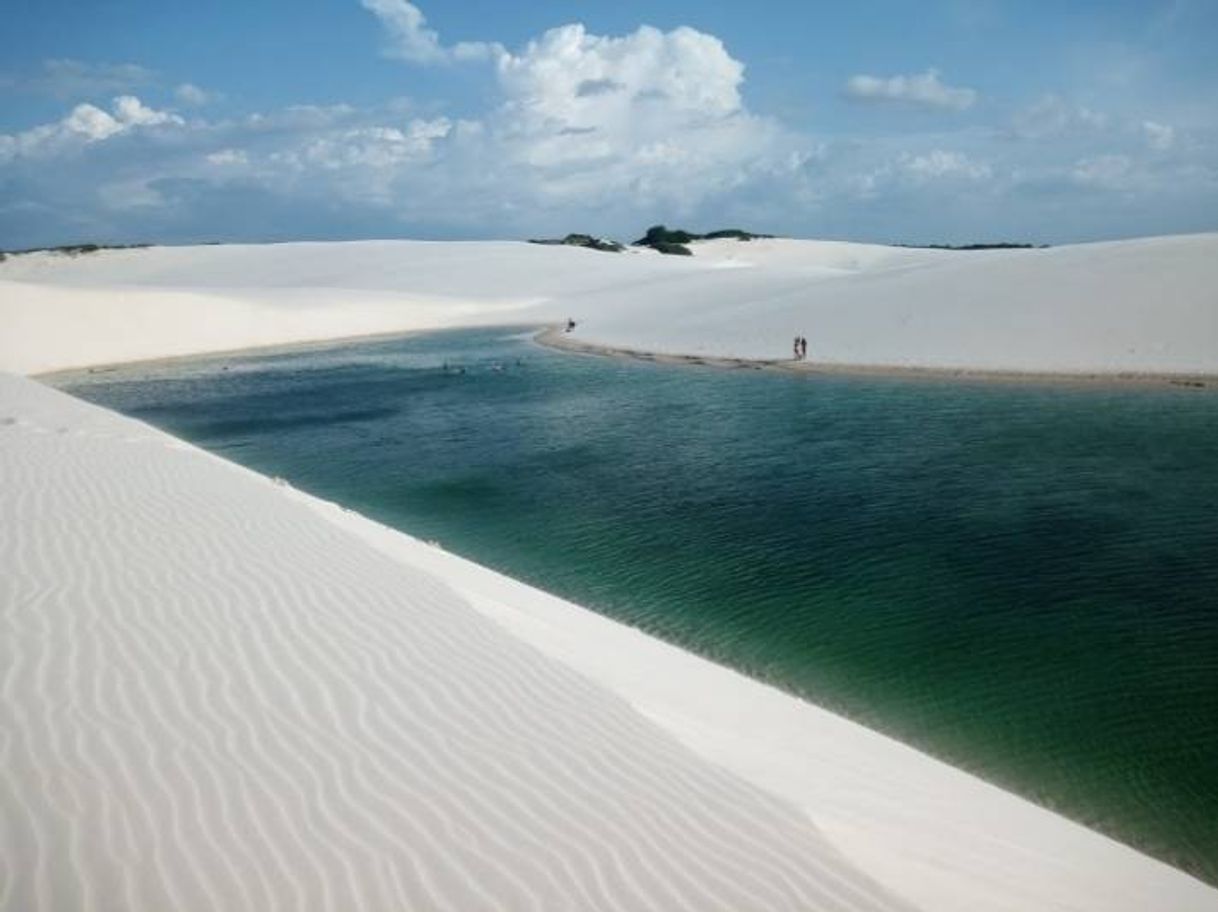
[(556, 337)]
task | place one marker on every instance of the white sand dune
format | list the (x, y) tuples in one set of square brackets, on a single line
[(126, 305), (1144, 306), (220, 693), (1141, 306)]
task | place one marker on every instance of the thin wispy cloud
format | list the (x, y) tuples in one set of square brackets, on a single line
[(939, 164), (408, 37), (190, 94), (65, 79), (1053, 116), (1161, 137), (924, 90)]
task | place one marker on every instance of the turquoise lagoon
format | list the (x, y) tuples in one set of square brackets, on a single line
[(1021, 579)]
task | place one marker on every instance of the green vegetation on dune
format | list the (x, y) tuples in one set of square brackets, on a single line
[(673, 240), (72, 249), (671, 248), (581, 240), (1002, 245)]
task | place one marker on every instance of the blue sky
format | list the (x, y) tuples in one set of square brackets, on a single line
[(124, 120)]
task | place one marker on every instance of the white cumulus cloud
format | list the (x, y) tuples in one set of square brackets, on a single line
[(377, 147), (89, 122), (84, 124), (131, 112), (918, 90), (569, 74), (649, 117)]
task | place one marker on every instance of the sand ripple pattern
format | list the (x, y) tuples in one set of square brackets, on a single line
[(214, 698)]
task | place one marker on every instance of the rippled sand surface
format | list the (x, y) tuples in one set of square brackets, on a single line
[(215, 699)]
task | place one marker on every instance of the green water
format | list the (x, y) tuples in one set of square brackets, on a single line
[(1021, 579)]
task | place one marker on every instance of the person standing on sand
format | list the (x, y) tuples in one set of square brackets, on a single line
[(803, 348), (795, 348)]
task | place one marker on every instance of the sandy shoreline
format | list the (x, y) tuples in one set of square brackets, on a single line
[(269, 349), (556, 337)]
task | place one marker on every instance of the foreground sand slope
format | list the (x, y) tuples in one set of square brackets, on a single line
[(215, 698), (220, 693), (1141, 306)]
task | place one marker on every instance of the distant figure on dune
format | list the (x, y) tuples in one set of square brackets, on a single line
[(570, 324), (800, 348)]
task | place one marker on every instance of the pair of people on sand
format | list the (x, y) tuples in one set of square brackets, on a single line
[(800, 348)]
